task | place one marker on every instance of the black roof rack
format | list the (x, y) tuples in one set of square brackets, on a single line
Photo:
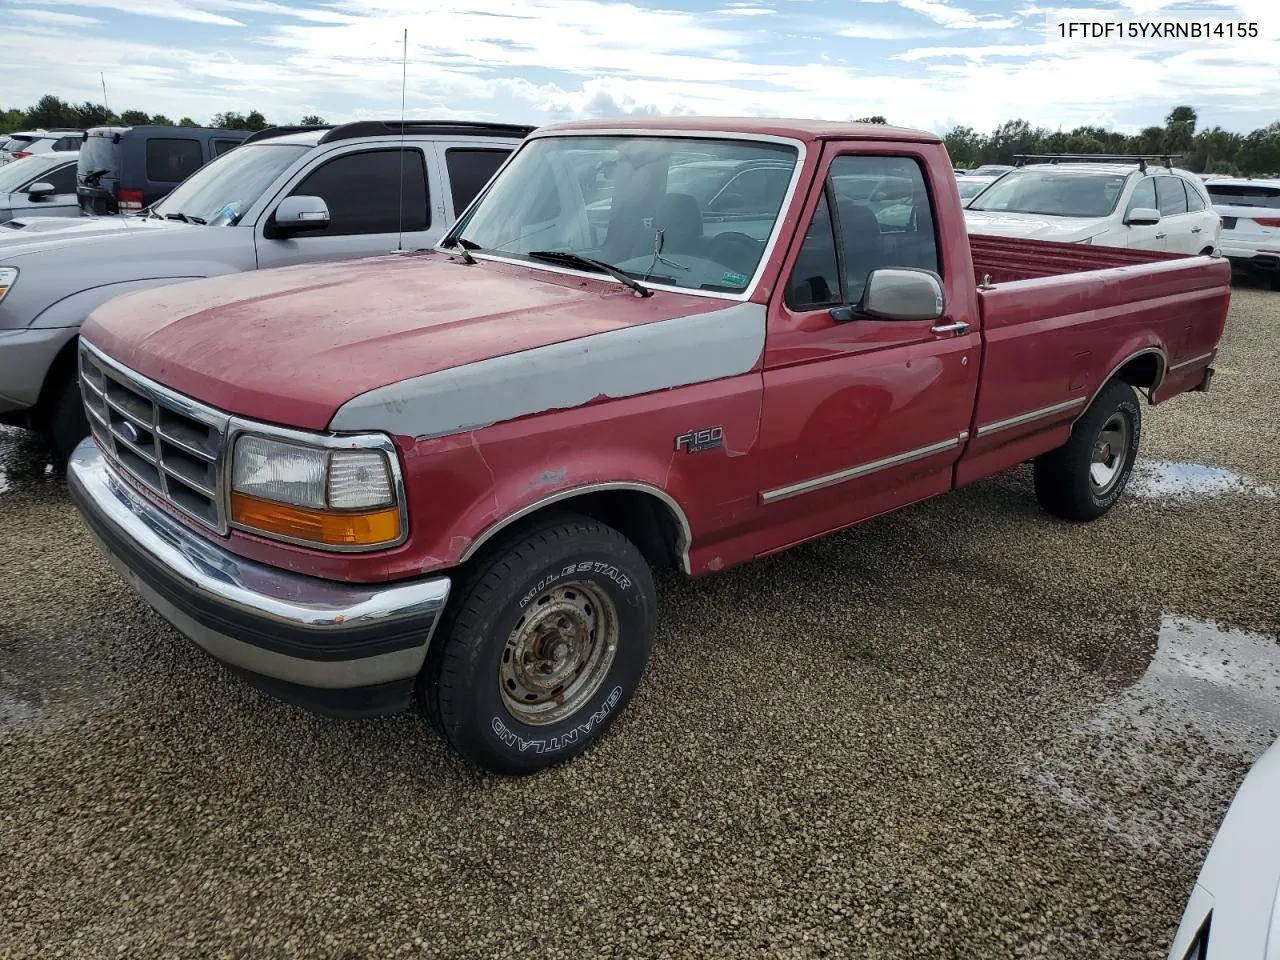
[(270, 132), (1020, 159), (444, 128)]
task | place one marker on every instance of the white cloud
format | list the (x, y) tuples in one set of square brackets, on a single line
[(165, 9), (955, 18), (880, 31), (54, 18)]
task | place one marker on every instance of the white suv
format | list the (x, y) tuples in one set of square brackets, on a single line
[(1113, 204), (26, 143), (1250, 211)]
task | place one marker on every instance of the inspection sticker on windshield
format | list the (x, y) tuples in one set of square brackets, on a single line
[(736, 279)]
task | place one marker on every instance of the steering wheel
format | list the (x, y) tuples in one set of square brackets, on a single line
[(734, 249)]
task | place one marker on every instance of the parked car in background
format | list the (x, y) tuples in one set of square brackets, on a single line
[(280, 198), (26, 143), (1233, 912), (990, 170), (970, 187), (1111, 203), (43, 185), (124, 169), (450, 474), (1250, 212)]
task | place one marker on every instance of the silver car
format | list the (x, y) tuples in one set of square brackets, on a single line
[(30, 143), (43, 185)]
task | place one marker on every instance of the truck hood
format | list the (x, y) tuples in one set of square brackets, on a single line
[(292, 345), (1032, 226), (27, 235)]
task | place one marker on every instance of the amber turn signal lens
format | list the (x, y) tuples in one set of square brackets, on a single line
[(329, 528)]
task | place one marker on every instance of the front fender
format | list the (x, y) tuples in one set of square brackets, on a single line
[(74, 308)]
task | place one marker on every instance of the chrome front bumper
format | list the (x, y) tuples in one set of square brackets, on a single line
[(338, 648)]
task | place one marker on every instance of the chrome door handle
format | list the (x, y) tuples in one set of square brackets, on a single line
[(1195, 229), (957, 328), (1161, 236)]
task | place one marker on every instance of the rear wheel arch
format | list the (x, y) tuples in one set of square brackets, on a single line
[(646, 515), (1144, 370)]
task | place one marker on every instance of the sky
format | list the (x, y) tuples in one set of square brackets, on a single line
[(931, 64)]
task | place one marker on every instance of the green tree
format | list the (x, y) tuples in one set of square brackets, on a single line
[(964, 145), (187, 122), (314, 120), (11, 120), (93, 115), (160, 120), (876, 119), (51, 111), (134, 118), (253, 120), (1180, 129)]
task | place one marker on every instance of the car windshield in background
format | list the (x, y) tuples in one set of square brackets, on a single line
[(220, 192), (971, 188), (99, 157), (16, 174), (684, 212), (1052, 194), (1240, 195)]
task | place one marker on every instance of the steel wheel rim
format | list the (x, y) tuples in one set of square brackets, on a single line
[(1110, 451), (559, 653)]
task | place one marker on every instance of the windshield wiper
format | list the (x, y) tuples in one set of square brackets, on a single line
[(586, 263), (185, 218), (465, 246), (91, 179)]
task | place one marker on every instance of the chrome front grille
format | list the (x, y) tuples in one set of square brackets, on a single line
[(169, 443)]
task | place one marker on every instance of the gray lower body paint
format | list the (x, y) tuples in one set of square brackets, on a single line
[(620, 363)]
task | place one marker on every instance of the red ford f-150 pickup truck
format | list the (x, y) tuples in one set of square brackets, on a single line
[(449, 473)]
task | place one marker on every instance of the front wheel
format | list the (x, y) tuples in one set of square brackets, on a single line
[(67, 424), (544, 646), (1083, 478)]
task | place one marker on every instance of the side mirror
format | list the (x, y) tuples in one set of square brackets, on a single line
[(299, 214), (1142, 217), (41, 190), (898, 293)]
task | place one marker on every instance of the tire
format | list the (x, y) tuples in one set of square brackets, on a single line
[(571, 591), (1071, 481), (67, 425)]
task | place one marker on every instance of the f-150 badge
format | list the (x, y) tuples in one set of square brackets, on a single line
[(695, 441)]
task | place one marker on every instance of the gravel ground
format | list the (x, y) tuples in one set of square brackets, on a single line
[(962, 730)]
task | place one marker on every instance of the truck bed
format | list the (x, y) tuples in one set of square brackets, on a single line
[(1004, 259)]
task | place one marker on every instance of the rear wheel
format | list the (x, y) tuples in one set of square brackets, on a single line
[(543, 647), (1083, 478)]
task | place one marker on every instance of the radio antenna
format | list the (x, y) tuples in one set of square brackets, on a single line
[(404, 80), (103, 78)]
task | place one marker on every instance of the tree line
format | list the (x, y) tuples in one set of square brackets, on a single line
[(1210, 150), (51, 112)]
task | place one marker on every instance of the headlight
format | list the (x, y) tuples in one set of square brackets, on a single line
[(342, 498), (8, 277)]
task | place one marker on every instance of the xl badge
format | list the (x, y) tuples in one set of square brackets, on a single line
[(695, 441)]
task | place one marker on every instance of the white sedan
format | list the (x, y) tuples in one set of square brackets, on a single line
[(1109, 204), (1250, 211), (1234, 909)]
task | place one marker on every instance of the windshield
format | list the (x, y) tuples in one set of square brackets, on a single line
[(1053, 194), (971, 188), (16, 174), (222, 190), (691, 213)]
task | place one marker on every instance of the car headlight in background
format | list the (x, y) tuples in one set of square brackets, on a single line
[(340, 498), (8, 277)]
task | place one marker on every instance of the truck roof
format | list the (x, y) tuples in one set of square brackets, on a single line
[(804, 130)]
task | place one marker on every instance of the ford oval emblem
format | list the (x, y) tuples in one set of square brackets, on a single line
[(129, 432)]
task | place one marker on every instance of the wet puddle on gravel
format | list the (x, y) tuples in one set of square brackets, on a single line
[(1207, 689), (1167, 479)]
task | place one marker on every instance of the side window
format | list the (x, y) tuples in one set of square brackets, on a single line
[(172, 160), (1171, 196), (815, 279), (1144, 196), (1195, 202), (222, 146), (66, 144), (469, 170), (63, 179), (892, 227), (363, 192)]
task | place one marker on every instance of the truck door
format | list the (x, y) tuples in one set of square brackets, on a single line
[(370, 192), (863, 415)]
